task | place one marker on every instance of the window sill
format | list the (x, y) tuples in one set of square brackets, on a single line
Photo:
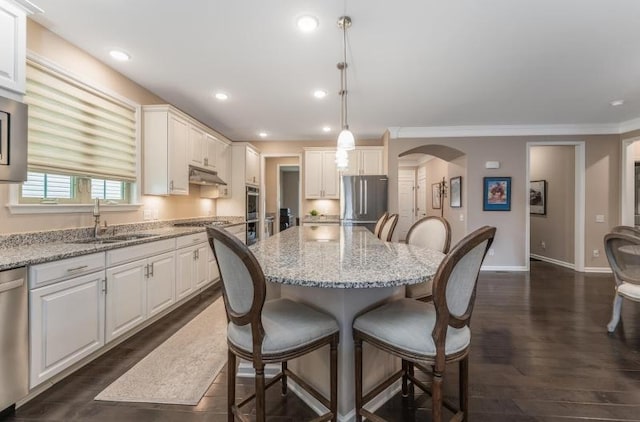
[(68, 208)]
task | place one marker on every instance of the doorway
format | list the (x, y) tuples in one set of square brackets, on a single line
[(273, 165), (288, 196), (562, 211)]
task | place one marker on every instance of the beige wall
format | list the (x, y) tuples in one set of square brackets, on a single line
[(602, 188), (46, 44), (555, 165)]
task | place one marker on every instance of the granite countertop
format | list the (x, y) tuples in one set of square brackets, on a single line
[(342, 257), (22, 249), (321, 219)]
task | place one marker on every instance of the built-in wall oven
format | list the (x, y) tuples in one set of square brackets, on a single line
[(13, 141), (253, 225)]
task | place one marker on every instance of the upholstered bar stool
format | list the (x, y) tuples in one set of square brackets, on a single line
[(264, 332), (380, 223), (433, 233), (386, 233), (623, 254), (425, 333)]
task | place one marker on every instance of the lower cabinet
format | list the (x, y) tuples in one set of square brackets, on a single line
[(161, 283), (66, 324), (126, 297), (192, 268)]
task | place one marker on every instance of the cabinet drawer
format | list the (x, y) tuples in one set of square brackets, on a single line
[(51, 272), (192, 239), (132, 253)]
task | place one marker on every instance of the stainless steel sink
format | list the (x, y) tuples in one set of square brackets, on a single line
[(113, 239)]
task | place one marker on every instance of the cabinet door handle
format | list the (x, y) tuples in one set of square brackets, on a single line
[(206, 161), (151, 270), (104, 286), (171, 185), (194, 255), (74, 269), (146, 271)]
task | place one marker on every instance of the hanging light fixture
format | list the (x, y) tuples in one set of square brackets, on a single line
[(346, 140)]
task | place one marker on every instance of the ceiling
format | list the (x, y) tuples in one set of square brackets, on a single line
[(412, 63)]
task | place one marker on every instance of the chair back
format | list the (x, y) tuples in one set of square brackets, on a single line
[(623, 254), (454, 285), (630, 230), (380, 224), (243, 283), (430, 232), (388, 227)]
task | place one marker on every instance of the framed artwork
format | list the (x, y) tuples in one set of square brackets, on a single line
[(496, 194), (435, 196), (455, 189), (538, 197)]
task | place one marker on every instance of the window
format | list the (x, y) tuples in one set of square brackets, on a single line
[(82, 141)]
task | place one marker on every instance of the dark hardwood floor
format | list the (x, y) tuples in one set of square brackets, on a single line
[(540, 352)]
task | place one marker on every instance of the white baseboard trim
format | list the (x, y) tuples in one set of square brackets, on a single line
[(602, 270), (554, 261), (503, 268)]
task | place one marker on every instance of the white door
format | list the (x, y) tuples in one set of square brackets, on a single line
[(214, 273), (161, 282), (330, 186), (126, 298), (178, 164), (406, 201), (196, 146), (421, 193), (313, 174), (371, 162), (201, 273), (185, 268), (210, 152)]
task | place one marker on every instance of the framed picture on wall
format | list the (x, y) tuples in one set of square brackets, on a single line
[(455, 188), (538, 197), (435, 196), (496, 194)]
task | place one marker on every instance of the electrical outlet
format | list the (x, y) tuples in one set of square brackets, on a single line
[(491, 252), (147, 215), (461, 217), (543, 245), (596, 253), (156, 214)]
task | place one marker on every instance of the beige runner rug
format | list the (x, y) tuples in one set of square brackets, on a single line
[(181, 369)]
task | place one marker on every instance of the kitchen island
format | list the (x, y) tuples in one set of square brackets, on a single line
[(343, 270)]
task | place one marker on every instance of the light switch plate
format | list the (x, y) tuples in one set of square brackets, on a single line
[(599, 218), (147, 215)]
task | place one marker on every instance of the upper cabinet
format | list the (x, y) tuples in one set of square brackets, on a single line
[(172, 142), (252, 162), (321, 174), (13, 49), (365, 161)]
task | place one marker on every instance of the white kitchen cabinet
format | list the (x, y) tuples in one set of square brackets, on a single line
[(252, 169), (239, 231), (165, 153), (214, 272), (192, 264), (13, 33), (365, 161), (210, 152), (160, 283), (223, 167), (126, 298), (66, 324), (196, 146), (321, 174)]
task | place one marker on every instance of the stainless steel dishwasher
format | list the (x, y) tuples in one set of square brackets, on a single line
[(14, 338)]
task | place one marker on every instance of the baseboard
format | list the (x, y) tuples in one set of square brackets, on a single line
[(601, 270), (554, 261), (503, 268)]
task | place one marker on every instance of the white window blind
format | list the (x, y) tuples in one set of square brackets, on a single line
[(47, 186), (77, 130), (107, 189)]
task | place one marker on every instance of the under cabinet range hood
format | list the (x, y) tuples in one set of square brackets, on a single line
[(203, 177)]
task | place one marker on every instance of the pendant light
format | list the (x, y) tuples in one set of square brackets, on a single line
[(346, 140)]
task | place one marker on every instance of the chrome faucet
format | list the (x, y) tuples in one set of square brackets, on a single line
[(97, 230)]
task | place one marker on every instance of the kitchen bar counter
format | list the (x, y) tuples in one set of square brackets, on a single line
[(19, 250)]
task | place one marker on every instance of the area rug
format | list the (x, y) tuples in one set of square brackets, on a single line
[(181, 369)]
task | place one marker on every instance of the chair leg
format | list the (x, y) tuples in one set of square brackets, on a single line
[(260, 394), (284, 378), (358, 356), (615, 314), (334, 378), (405, 368), (436, 397), (231, 385), (464, 388)]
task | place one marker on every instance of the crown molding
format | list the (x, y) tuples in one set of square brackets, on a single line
[(29, 7), (506, 130)]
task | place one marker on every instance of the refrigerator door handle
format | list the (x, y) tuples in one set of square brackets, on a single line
[(366, 191), (360, 197)]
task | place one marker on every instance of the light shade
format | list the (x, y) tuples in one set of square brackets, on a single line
[(346, 141)]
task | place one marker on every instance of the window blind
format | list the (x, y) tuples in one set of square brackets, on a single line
[(77, 130)]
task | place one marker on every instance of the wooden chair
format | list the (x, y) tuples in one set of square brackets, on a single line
[(433, 233), (630, 230), (386, 233), (264, 332), (380, 224), (623, 254), (427, 333)]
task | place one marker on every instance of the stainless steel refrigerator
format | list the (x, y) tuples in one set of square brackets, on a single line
[(363, 199)]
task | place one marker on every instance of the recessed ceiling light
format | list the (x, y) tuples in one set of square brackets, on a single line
[(616, 103), (326, 129), (319, 93), (120, 55), (221, 96), (307, 23), (262, 134)]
